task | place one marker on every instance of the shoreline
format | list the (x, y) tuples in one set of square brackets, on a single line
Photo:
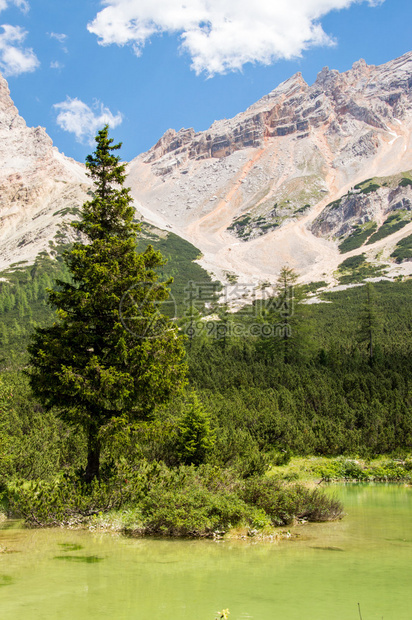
[(312, 472)]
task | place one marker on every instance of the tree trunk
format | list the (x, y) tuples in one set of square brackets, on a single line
[(93, 455)]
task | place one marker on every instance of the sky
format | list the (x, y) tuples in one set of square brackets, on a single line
[(146, 66)]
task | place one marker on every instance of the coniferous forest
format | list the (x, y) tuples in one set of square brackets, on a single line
[(194, 421)]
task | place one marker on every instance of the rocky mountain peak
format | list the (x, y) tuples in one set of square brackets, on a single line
[(252, 192), (35, 182), (246, 190), (326, 77), (288, 88), (363, 95)]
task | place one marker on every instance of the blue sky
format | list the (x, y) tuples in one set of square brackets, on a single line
[(146, 67)]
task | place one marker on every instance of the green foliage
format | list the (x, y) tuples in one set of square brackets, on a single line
[(260, 411), (286, 314), (302, 209), (403, 250), (351, 469), (341, 469), (334, 205), (284, 503), (362, 184), (242, 226), (357, 237), (372, 187), (394, 222), (18, 320), (186, 504), (5, 443), (369, 322), (329, 403), (195, 438), (180, 265), (352, 263), (312, 287), (47, 504), (186, 501), (23, 294), (36, 442), (356, 269), (111, 353), (242, 221)]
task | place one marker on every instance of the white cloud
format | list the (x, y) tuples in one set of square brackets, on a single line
[(14, 58), (77, 117), (21, 4), (55, 64), (59, 36), (220, 35)]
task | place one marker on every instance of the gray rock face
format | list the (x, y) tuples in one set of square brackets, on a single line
[(356, 208)]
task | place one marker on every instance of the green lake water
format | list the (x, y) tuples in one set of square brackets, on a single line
[(322, 575)]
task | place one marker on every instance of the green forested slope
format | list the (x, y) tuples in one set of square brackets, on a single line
[(327, 400), (252, 409), (23, 288)]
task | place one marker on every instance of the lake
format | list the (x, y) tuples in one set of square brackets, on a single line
[(322, 574)]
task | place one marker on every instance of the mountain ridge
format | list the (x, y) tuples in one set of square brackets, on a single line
[(299, 146), (248, 191)]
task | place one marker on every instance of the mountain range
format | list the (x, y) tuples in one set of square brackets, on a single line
[(308, 176)]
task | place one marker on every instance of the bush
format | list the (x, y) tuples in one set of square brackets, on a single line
[(390, 471), (403, 249), (349, 469), (46, 504), (191, 511), (284, 503), (281, 458), (195, 437), (185, 501), (36, 443)]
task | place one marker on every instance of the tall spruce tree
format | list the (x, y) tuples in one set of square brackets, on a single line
[(110, 353), (287, 314), (369, 323)]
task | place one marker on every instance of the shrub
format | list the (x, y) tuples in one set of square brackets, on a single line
[(281, 458), (390, 471), (358, 237), (191, 511), (185, 501), (283, 503), (195, 436), (45, 504), (403, 249)]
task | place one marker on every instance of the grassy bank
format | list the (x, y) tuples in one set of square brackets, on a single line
[(345, 469)]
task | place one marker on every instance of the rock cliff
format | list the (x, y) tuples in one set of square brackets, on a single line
[(275, 184), (36, 183), (247, 190)]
